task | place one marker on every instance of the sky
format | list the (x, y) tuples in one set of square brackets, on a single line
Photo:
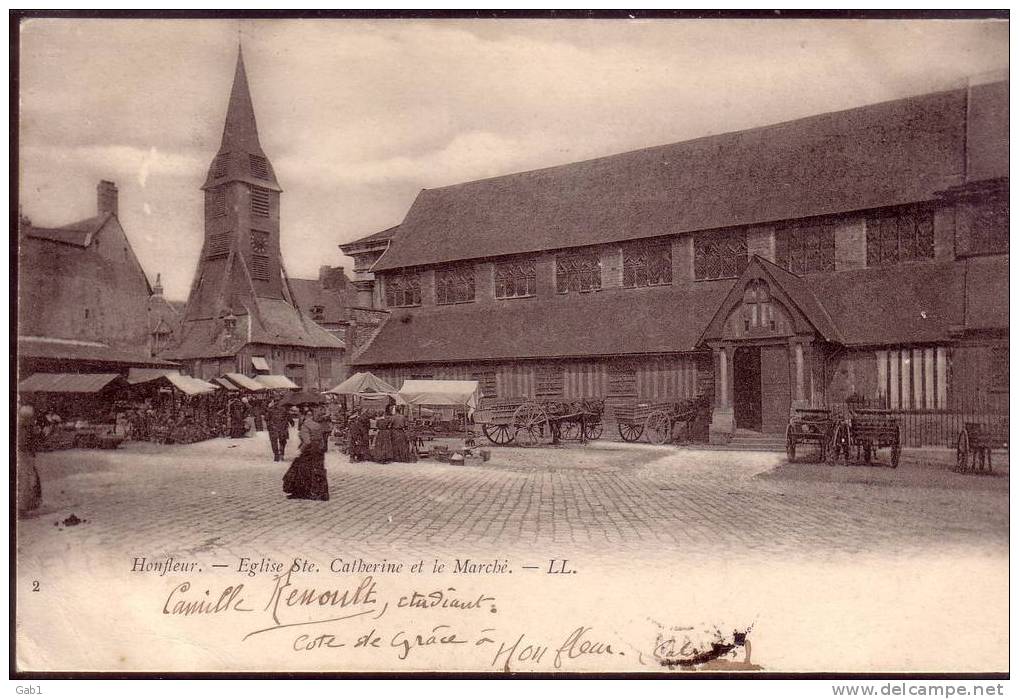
[(359, 116)]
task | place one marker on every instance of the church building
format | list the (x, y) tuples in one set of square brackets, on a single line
[(242, 314), (856, 256)]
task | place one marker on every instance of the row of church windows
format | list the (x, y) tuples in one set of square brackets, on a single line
[(892, 236)]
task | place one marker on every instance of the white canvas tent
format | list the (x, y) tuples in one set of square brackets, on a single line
[(362, 382), (431, 392)]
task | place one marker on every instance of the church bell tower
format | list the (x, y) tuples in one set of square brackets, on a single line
[(242, 215), (241, 314)]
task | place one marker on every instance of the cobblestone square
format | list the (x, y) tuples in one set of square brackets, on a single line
[(224, 496), (654, 533)]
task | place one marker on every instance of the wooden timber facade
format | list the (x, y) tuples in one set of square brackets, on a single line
[(860, 256)]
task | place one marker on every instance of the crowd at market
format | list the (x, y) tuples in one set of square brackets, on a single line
[(379, 433)]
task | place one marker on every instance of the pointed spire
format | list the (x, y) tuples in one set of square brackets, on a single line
[(240, 156), (240, 133)]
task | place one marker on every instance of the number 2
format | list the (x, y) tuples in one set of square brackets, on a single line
[(35, 586)]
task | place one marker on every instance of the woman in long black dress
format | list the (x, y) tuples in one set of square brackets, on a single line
[(306, 478)]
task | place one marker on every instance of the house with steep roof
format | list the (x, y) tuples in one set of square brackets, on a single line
[(83, 297), (859, 255), (243, 314)]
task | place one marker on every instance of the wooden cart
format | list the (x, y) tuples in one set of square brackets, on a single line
[(973, 448), (809, 425), (656, 421), (531, 422), (870, 430)]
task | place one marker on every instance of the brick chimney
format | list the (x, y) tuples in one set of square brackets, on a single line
[(332, 278), (106, 198)]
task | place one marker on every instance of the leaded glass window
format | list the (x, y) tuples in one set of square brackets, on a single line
[(806, 246), (720, 255), (577, 271), (647, 264), (403, 289), (454, 284), (899, 236), (514, 279)]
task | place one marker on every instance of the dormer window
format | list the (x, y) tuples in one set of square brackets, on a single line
[(230, 323), (318, 312)]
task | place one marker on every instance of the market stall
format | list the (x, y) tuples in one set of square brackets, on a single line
[(74, 409), (455, 400), (169, 407)]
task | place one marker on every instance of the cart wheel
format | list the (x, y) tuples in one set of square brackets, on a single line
[(790, 444), (570, 431), (531, 424), (962, 452), (499, 434), (896, 452), (658, 427), (868, 454), (593, 431), (630, 432)]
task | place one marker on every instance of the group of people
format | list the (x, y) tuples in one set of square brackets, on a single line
[(394, 440)]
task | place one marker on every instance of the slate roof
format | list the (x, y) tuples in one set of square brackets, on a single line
[(275, 322), (987, 293), (630, 321), (78, 233), (920, 302), (899, 304), (309, 293), (240, 140), (374, 237), (82, 350), (878, 155)]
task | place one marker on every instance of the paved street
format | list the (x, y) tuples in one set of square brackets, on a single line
[(224, 497), (658, 535)]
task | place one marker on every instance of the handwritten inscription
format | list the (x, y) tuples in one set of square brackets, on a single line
[(417, 623)]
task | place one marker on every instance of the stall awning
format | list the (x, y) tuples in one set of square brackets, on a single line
[(428, 392), (66, 383), (242, 381), (362, 382), (136, 375), (190, 385), (275, 381), (220, 381), (260, 364)]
